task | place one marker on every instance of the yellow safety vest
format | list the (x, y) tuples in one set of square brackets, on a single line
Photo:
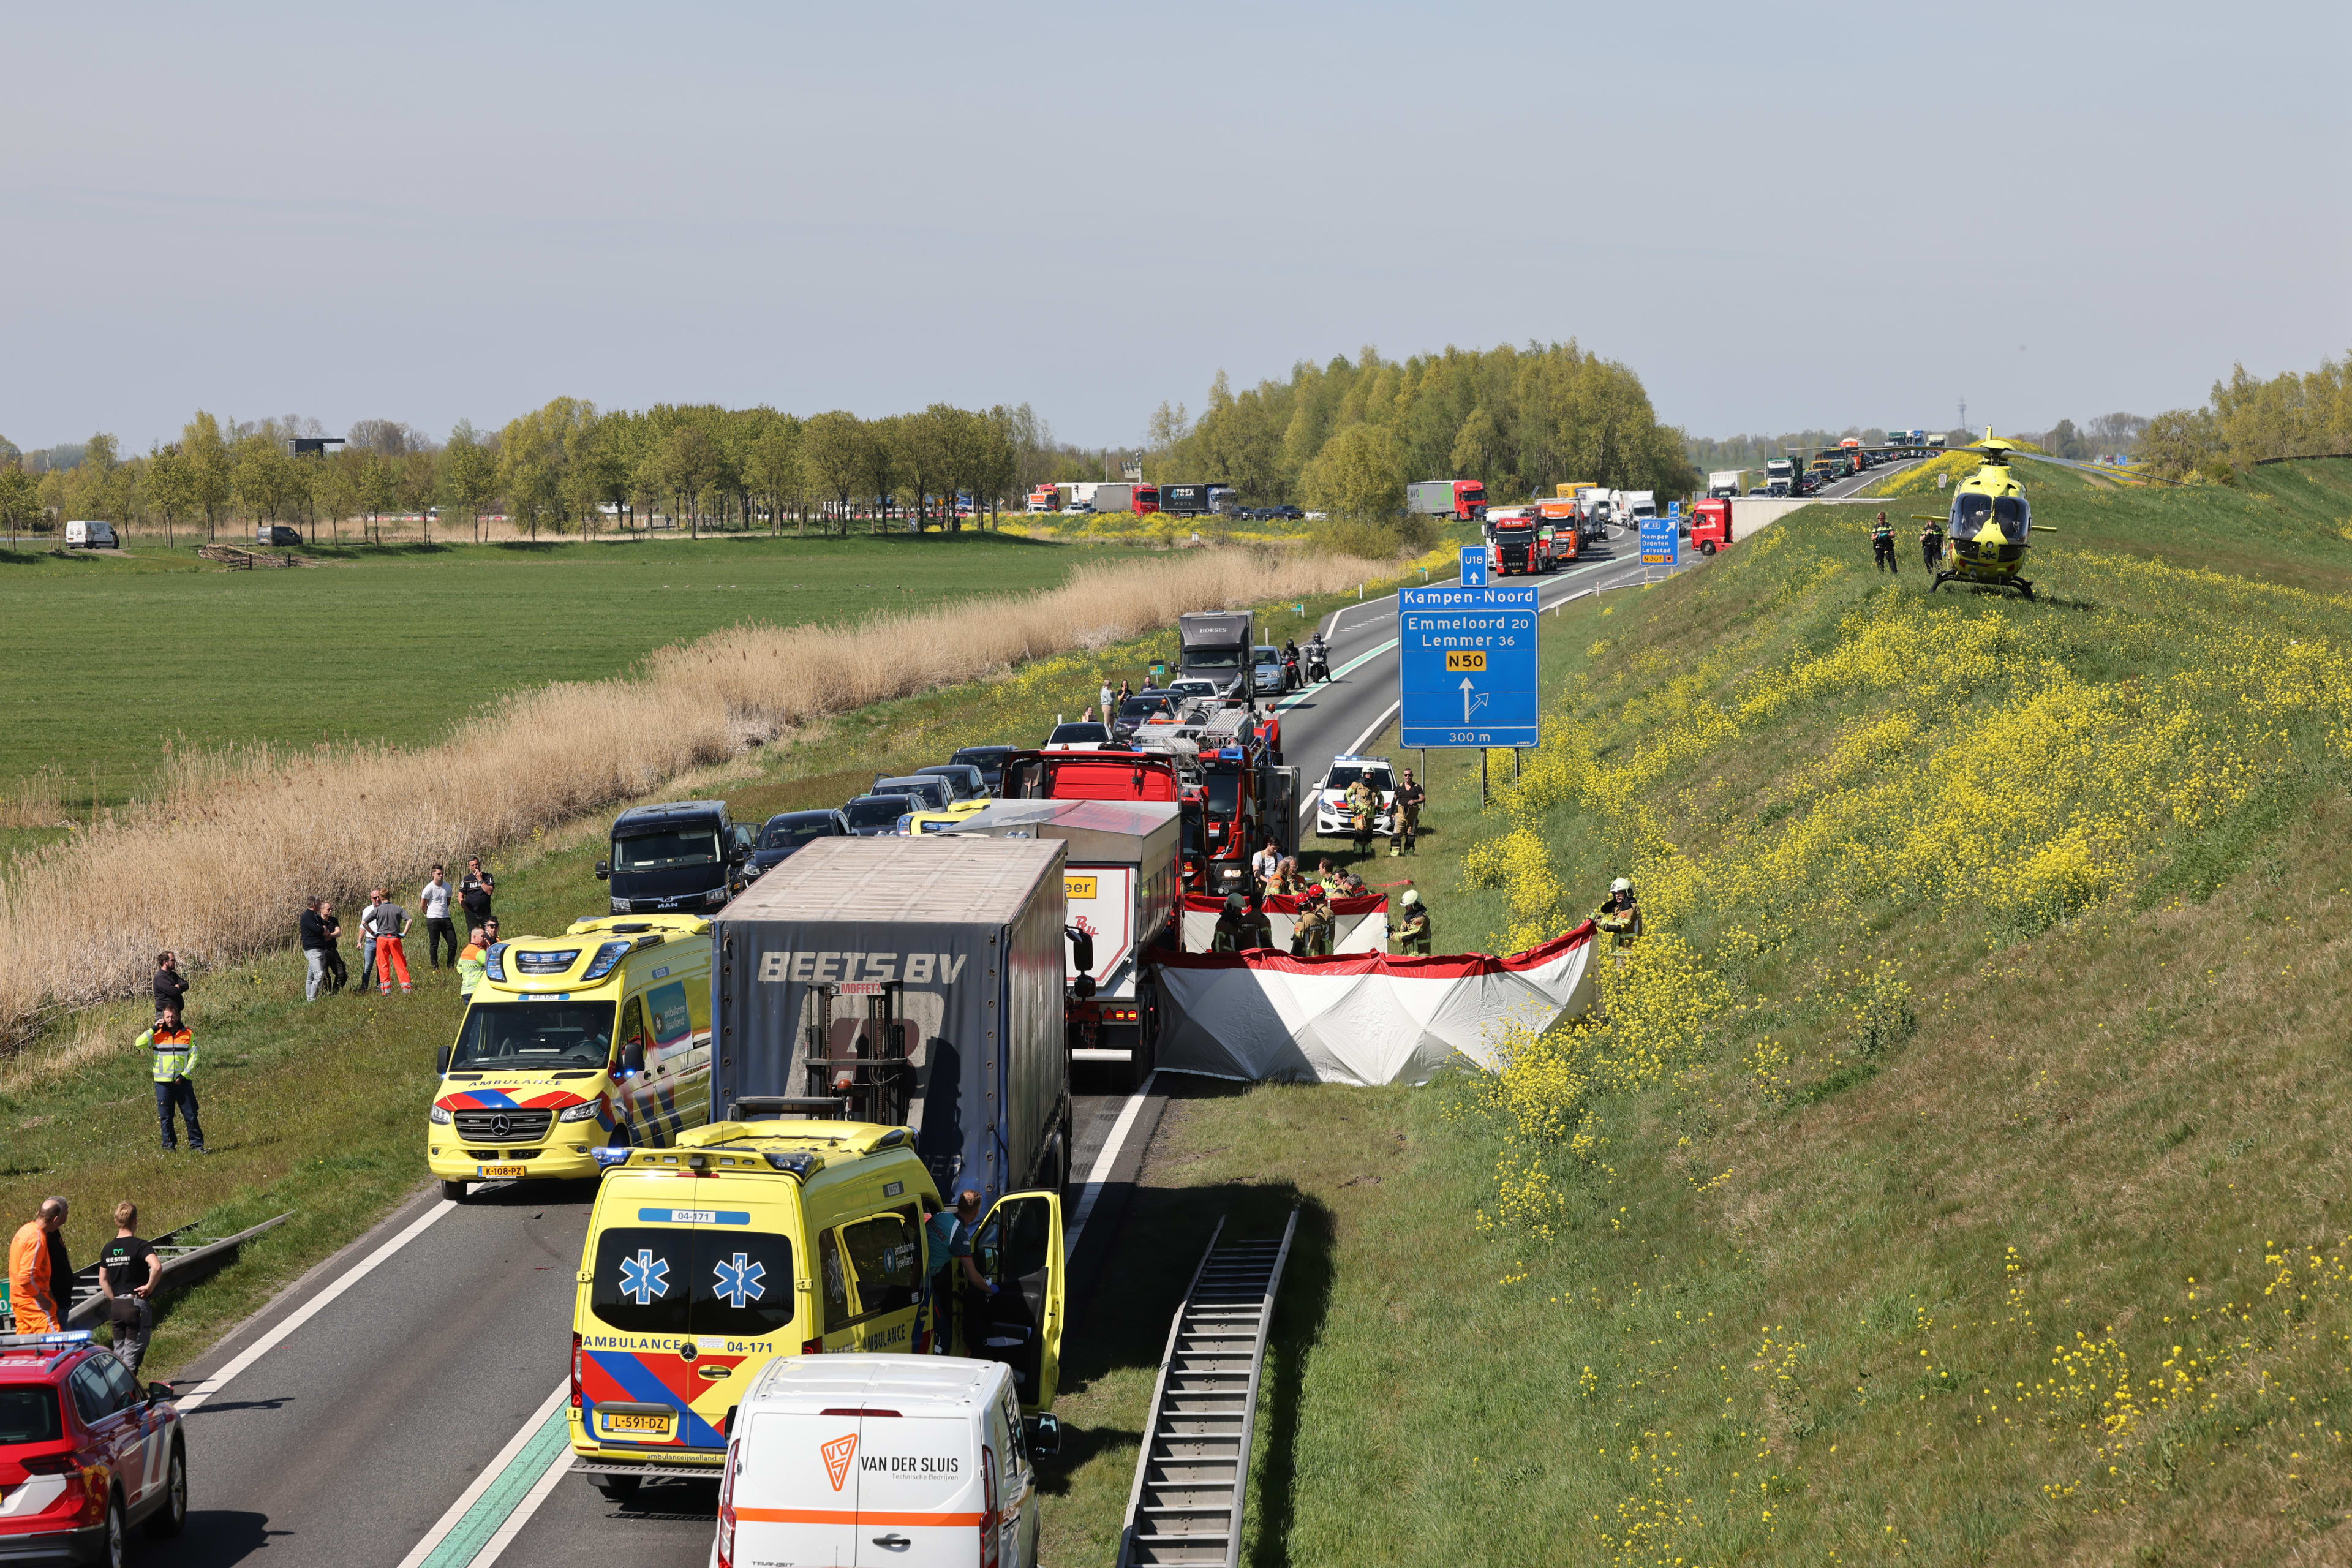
[(175, 1051)]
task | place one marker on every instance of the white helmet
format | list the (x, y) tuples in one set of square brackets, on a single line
[(1622, 884), (1411, 897)]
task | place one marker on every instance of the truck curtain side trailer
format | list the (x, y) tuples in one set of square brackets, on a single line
[(1124, 891), (1465, 500), (911, 981)]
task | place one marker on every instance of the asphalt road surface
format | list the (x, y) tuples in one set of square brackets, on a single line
[(397, 1406)]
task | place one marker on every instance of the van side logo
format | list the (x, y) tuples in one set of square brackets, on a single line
[(838, 1455)]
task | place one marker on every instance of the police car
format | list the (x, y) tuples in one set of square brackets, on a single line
[(1331, 816), (85, 1452)]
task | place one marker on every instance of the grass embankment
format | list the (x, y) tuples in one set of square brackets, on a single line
[(1961, 1176), (119, 661), (318, 1108)]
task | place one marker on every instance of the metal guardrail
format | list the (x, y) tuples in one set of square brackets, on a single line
[(186, 1258)]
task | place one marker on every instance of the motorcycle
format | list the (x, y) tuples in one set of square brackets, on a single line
[(1290, 681), (1319, 666)]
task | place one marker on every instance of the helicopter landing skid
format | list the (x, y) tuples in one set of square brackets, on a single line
[(2020, 584)]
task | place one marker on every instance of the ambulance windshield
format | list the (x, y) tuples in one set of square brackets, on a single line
[(530, 1036)]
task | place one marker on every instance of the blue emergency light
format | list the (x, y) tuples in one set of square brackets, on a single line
[(1230, 754), (62, 1337), (607, 1158)]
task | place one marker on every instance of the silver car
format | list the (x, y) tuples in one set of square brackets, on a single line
[(1265, 670)]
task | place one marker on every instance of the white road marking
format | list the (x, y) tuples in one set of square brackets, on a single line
[(525, 1509), (1099, 1173), (490, 1473), (311, 1308)]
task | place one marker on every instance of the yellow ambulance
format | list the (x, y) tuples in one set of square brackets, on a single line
[(596, 1040), (754, 1240)]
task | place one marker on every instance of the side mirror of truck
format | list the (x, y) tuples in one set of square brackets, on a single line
[(1045, 1435), (1082, 948), (632, 1056), (603, 870), (441, 1062)]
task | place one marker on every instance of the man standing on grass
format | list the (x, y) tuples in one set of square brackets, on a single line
[(367, 938), (473, 890), (337, 976), (312, 932), (1108, 695), (388, 923), (174, 1050), (471, 964), (170, 985), (439, 926), (32, 1278), (1404, 821), (128, 1271)]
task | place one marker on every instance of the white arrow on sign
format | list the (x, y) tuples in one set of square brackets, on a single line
[(1471, 703)]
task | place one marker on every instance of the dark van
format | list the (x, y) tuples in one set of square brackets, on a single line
[(684, 856)]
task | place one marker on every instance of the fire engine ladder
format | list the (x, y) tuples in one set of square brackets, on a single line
[(1192, 1479)]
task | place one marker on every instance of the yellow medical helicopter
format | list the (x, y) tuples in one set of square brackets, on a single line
[(1991, 523)]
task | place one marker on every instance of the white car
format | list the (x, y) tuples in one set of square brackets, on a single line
[(1331, 818), (1193, 685), (926, 1458), (1077, 736)]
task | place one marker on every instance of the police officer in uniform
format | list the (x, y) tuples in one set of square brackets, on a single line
[(1882, 543), (1931, 543)]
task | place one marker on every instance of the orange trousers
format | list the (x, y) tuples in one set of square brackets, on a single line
[(390, 957)]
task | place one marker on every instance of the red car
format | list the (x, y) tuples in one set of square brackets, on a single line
[(85, 1452)]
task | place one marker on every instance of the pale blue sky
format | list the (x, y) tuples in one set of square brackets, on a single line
[(1785, 216)]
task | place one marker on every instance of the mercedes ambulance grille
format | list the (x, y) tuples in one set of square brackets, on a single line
[(524, 1126)]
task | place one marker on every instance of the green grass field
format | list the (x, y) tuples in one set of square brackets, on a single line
[(110, 659)]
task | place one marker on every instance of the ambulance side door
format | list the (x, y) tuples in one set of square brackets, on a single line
[(632, 1085), (885, 1254), (1018, 1249)]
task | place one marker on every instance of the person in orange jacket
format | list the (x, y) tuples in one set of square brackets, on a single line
[(32, 1291)]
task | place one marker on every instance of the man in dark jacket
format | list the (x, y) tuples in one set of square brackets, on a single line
[(312, 930), (170, 985), (473, 890)]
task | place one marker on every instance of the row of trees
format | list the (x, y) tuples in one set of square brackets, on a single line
[(562, 468), (1345, 437), (2246, 420)]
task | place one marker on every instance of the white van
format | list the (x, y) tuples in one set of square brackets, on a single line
[(91, 535), (915, 1461)]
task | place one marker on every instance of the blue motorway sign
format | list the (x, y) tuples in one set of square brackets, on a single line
[(1466, 665), (1662, 542), (1473, 565)]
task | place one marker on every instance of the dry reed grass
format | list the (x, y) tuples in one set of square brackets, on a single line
[(216, 867)]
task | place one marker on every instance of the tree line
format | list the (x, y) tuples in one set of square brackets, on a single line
[(2246, 420), (567, 468), (1343, 438), (1346, 437)]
